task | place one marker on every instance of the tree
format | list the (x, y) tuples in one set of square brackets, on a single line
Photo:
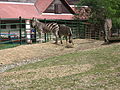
[(101, 9), (82, 13)]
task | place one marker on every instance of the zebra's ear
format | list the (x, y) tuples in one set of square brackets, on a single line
[(36, 20), (33, 18)]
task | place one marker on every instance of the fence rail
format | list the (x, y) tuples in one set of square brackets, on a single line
[(13, 31), (18, 32)]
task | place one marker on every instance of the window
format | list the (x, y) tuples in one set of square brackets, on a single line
[(58, 8)]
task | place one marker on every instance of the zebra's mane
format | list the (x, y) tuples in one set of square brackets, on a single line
[(45, 27), (37, 21)]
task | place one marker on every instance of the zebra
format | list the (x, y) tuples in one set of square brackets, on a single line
[(46, 28), (107, 29), (66, 32), (56, 29)]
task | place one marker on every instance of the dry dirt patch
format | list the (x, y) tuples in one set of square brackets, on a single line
[(46, 72), (44, 50)]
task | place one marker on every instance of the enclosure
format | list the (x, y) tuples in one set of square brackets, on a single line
[(12, 30), (15, 31), (114, 34)]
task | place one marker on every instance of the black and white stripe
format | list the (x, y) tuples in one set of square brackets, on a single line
[(57, 30), (52, 26), (46, 28)]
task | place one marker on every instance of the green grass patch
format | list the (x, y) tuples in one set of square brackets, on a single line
[(105, 73), (5, 46), (101, 58)]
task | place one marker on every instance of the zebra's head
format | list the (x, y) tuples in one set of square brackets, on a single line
[(37, 25), (34, 22)]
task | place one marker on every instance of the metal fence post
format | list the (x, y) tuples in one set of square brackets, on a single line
[(79, 29), (45, 35), (20, 29), (0, 27)]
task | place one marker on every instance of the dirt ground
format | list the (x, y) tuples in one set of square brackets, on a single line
[(44, 50), (50, 72), (24, 78)]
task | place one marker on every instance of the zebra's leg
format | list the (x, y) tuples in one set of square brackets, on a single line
[(71, 40), (40, 36), (106, 36), (56, 36), (66, 40), (60, 39), (56, 39)]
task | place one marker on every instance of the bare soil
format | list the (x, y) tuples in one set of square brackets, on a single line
[(50, 72), (44, 50), (24, 78)]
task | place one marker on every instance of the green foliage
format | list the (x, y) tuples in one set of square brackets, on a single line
[(112, 8), (102, 8), (116, 22)]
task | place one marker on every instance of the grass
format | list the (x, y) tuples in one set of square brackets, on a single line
[(103, 74), (5, 46)]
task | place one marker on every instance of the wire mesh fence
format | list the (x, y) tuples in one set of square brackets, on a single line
[(78, 28), (13, 31)]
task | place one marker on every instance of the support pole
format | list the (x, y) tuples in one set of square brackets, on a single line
[(20, 30), (28, 32), (0, 27)]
